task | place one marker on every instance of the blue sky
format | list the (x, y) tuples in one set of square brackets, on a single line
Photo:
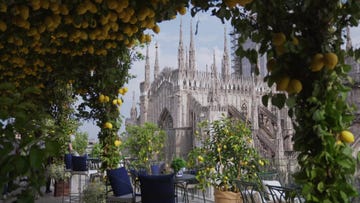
[(209, 38)]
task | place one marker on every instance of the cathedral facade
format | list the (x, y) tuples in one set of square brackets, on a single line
[(179, 98)]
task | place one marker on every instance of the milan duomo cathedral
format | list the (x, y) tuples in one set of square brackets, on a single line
[(178, 98)]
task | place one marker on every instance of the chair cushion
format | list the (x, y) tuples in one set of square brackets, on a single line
[(79, 163), (120, 181), (157, 188)]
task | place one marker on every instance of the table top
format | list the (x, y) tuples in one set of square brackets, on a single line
[(185, 178)]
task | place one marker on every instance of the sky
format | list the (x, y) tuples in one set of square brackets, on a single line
[(209, 39)]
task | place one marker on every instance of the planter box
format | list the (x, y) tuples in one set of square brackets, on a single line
[(227, 197), (61, 188)]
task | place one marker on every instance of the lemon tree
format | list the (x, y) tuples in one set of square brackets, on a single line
[(144, 144), (226, 153), (47, 46), (306, 66)]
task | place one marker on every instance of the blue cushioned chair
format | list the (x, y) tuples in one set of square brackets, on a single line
[(121, 187), (157, 188), (79, 163)]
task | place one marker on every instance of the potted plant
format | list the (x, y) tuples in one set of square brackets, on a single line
[(79, 145), (144, 144), (177, 164), (226, 154), (95, 192), (61, 176)]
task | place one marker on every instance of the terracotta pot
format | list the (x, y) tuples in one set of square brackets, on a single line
[(61, 188), (227, 197)]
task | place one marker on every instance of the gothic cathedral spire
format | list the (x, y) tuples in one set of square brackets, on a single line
[(191, 50), (181, 65), (133, 111), (225, 63), (156, 65), (348, 39), (147, 70)]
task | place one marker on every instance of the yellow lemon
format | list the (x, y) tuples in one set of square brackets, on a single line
[(3, 26), (244, 2), (280, 50), (101, 98), (347, 136), (261, 163), (106, 99), (181, 10), (230, 3), (3, 7), (278, 39), (338, 142), (119, 101), (114, 101), (24, 12), (117, 143), (271, 64), (108, 125), (121, 91), (295, 41), (125, 90), (295, 86), (200, 158), (317, 62), (283, 83), (156, 29), (330, 60)]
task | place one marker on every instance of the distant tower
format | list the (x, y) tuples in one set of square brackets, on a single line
[(147, 70), (225, 63), (212, 97), (191, 50), (156, 65), (144, 89), (133, 111), (348, 39), (181, 64)]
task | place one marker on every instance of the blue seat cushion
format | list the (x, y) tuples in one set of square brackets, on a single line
[(79, 163), (157, 188), (120, 181)]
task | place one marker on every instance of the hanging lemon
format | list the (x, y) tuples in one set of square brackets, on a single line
[(282, 83), (117, 143), (317, 62), (108, 125), (347, 136), (330, 60), (278, 39)]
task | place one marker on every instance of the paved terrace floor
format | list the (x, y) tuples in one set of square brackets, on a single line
[(50, 198)]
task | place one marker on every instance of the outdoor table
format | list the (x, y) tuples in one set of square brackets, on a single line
[(183, 181)]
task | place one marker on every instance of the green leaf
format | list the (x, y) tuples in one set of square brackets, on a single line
[(278, 100), (318, 115), (320, 186), (344, 163), (35, 158), (344, 196), (7, 86), (291, 102), (265, 100), (31, 90), (52, 147), (20, 164)]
